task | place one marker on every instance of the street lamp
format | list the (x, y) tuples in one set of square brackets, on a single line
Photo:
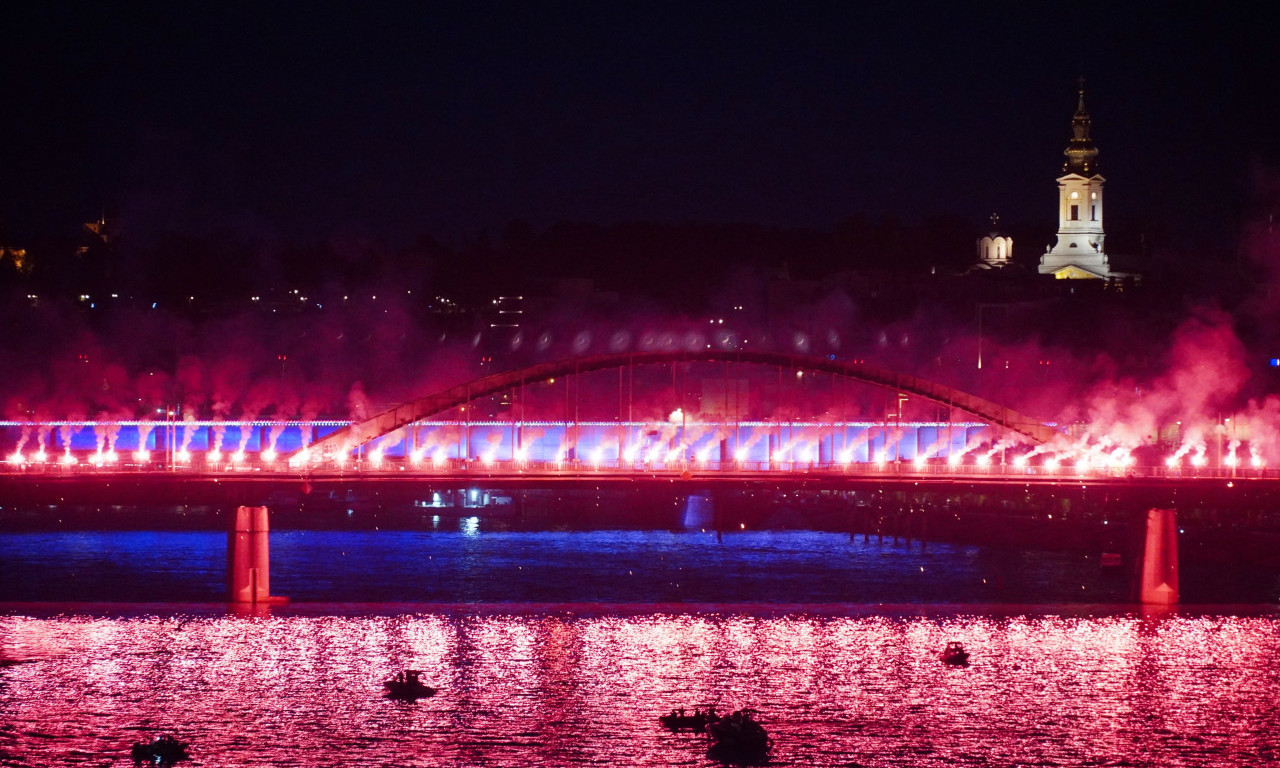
[(168, 443), (981, 308)]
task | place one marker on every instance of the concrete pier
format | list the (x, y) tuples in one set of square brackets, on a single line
[(1160, 559), (248, 557), (699, 512)]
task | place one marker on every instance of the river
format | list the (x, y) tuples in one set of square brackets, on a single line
[(563, 648)]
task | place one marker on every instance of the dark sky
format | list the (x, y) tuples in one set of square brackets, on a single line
[(316, 120)]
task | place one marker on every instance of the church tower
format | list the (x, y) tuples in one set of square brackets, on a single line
[(1079, 252)]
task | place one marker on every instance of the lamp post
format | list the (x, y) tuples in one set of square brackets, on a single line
[(981, 308), (897, 445), (168, 442)]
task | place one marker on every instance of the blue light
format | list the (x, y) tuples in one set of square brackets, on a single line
[(1275, 362)]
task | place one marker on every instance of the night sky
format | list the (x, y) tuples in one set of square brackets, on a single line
[(313, 121)]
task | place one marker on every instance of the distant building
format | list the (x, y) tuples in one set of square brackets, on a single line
[(1079, 252), (100, 230), (995, 249), (17, 257), (95, 272)]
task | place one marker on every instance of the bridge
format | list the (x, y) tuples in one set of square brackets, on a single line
[(440, 433), (433, 456)]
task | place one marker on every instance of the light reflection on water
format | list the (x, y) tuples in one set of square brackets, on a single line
[(301, 685)]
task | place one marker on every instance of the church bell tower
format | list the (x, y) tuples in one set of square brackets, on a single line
[(1079, 252)]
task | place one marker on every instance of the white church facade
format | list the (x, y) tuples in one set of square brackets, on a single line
[(1080, 250)]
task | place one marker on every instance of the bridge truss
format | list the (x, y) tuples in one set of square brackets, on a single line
[(358, 434)]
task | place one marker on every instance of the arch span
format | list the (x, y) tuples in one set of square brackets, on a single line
[(417, 410)]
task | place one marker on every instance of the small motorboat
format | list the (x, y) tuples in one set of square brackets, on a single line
[(408, 685), (679, 720), (738, 737), (162, 750), (955, 654)]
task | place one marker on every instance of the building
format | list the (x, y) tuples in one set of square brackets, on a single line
[(995, 249), (1079, 252)]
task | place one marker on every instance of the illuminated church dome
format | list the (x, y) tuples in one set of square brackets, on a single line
[(995, 250)]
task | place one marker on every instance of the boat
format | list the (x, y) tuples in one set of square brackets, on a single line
[(678, 720), (408, 685), (738, 737), (162, 750), (955, 654)]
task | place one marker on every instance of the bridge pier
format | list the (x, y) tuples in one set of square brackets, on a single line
[(248, 558), (1160, 559), (699, 511)]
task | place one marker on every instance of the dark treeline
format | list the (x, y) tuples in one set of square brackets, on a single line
[(227, 325), (680, 267), (676, 265)]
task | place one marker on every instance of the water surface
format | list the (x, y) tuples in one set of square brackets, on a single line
[(576, 687)]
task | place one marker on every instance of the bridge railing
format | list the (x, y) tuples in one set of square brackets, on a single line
[(388, 466)]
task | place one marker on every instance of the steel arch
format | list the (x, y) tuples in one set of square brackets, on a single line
[(416, 410)]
